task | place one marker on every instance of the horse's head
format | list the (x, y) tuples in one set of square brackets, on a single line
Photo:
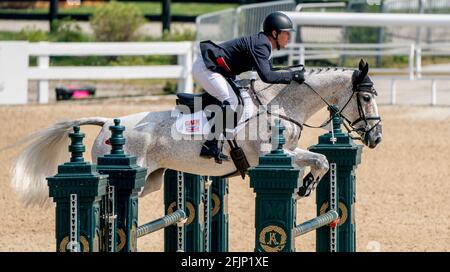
[(361, 111)]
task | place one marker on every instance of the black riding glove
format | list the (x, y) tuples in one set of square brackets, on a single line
[(298, 73)]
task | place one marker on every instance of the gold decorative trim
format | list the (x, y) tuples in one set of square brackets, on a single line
[(272, 245), (344, 215), (133, 239), (65, 241), (121, 235), (191, 211), (217, 203), (171, 207), (342, 208)]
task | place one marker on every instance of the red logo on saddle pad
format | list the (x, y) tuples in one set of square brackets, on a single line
[(192, 125)]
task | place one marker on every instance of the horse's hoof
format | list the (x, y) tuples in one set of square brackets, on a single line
[(308, 186)]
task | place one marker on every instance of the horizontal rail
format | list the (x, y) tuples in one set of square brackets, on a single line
[(368, 19), (87, 16), (108, 48), (353, 52), (268, 4), (353, 45), (299, 7), (316, 223), (161, 223), (106, 72)]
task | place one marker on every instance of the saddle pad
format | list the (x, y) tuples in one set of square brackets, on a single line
[(193, 124), (197, 123)]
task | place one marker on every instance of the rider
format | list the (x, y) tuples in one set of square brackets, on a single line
[(239, 55)]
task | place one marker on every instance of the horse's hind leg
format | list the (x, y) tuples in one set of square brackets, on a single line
[(318, 164)]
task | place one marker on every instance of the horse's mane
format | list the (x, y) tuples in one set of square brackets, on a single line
[(326, 69)]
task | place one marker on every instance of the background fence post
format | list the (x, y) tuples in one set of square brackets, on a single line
[(166, 16), (43, 63), (53, 13)]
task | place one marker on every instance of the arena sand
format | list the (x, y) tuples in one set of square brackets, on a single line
[(402, 191)]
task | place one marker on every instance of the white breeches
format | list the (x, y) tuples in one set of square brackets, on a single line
[(214, 83)]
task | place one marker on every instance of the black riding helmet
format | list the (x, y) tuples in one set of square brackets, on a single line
[(277, 21)]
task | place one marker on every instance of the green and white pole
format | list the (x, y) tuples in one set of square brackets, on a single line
[(275, 181), (77, 189), (219, 214), (126, 179), (343, 156)]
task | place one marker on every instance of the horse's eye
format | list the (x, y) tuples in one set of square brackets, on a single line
[(366, 98)]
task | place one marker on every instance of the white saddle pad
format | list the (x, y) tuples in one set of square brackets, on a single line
[(197, 123)]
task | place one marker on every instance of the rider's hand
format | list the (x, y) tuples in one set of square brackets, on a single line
[(298, 74)]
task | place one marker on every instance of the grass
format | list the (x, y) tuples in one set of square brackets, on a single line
[(9, 36), (188, 9)]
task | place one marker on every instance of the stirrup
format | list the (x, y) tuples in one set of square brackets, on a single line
[(213, 151)]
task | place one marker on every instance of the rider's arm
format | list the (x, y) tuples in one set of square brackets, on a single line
[(264, 67)]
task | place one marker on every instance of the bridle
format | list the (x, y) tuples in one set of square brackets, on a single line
[(366, 86), (359, 86)]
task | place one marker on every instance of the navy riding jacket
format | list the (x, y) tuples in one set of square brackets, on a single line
[(244, 54)]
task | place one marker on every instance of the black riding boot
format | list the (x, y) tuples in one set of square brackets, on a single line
[(210, 149)]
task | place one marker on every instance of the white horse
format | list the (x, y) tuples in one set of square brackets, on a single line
[(151, 138)]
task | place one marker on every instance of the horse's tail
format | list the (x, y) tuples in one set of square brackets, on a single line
[(46, 149)]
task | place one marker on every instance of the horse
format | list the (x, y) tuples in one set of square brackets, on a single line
[(151, 137)]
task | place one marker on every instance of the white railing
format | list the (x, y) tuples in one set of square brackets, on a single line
[(321, 6), (250, 17), (232, 23), (368, 19), (44, 72), (436, 49), (416, 51), (301, 52), (216, 26)]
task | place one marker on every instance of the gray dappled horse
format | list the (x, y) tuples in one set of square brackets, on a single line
[(151, 137)]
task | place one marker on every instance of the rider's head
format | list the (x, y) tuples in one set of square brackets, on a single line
[(277, 26)]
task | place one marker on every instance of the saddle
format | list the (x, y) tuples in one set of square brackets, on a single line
[(189, 100)]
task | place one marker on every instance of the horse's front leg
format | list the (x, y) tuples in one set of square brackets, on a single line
[(318, 164)]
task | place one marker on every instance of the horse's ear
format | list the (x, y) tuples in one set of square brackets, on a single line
[(361, 64), (364, 72)]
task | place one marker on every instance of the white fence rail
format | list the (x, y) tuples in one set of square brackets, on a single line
[(301, 52), (232, 23), (13, 82), (368, 19), (415, 51)]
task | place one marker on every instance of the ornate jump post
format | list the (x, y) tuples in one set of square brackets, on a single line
[(126, 179), (219, 213), (77, 189), (275, 212), (343, 156), (194, 188)]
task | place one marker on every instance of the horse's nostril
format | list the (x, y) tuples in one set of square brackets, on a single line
[(378, 140)]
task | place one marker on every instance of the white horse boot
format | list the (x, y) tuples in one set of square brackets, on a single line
[(309, 184)]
